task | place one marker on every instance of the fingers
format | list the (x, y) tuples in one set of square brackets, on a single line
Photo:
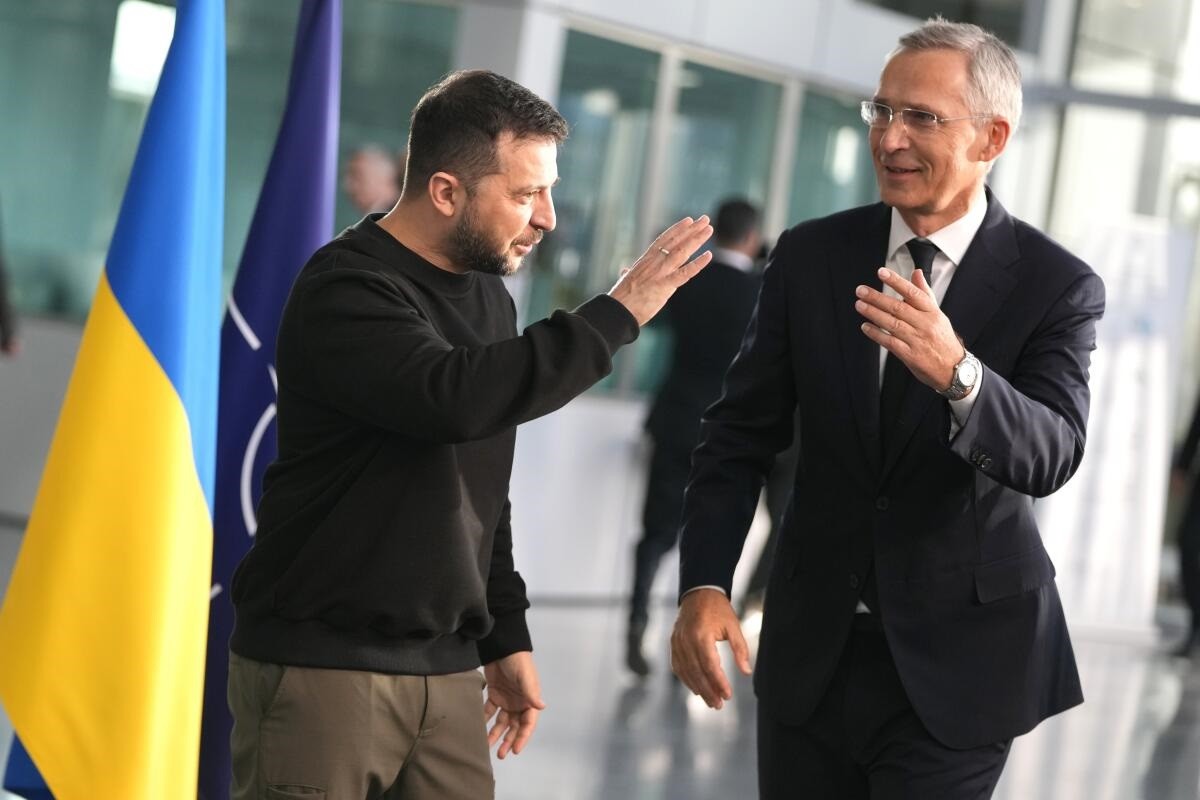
[(693, 267), (499, 728), (678, 241), (741, 651), (915, 295), (705, 618), (513, 731), (884, 315), (528, 722), (489, 710), (887, 341), (920, 283), (698, 666), (681, 234)]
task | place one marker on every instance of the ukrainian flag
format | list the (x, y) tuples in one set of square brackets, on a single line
[(103, 627)]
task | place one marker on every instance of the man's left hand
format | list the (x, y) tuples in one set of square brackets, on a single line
[(912, 328), (514, 698)]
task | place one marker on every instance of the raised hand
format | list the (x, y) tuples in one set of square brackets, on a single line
[(645, 287), (911, 327)]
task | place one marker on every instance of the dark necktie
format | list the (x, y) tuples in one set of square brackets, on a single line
[(895, 374), (891, 394)]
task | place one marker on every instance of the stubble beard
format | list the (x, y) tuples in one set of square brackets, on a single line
[(472, 250)]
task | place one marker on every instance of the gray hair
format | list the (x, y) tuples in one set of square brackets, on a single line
[(993, 75)]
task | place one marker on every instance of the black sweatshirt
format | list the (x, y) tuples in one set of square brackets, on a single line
[(383, 534)]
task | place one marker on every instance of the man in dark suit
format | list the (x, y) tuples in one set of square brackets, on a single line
[(708, 317), (912, 625), (10, 345), (1186, 482)]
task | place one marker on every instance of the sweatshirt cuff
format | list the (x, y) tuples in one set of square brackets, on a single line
[(611, 319), (509, 635)]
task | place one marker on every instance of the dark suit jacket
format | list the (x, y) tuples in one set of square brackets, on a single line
[(1185, 458), (708, 316), (966, 590)]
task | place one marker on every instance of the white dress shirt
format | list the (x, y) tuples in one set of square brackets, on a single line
[(734, 258), (952, 242)]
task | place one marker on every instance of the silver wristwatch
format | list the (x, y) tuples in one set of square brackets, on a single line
[(966, 375)]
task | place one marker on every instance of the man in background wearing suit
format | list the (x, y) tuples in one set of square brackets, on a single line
[(912, 626), (707, 316), (10, 345), (1185, 483)]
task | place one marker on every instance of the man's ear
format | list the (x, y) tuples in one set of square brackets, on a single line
[(997, 131), (445, 192)]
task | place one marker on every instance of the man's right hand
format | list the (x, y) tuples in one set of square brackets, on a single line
[(705, 618), (646, 287)]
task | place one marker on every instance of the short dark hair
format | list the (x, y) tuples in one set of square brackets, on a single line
[(456, 124), (735, 220)]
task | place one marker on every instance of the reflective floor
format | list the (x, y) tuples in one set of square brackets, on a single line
[(606, 736)]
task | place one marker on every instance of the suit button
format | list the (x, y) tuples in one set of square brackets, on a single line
[(985, 462), (853, 581), (881, 504)]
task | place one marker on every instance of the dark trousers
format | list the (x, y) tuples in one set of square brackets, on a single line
[(1189, 555), (865, 741), (667, 480)]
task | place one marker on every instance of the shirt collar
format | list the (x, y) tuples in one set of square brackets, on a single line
[(733, 258), (953, 240)]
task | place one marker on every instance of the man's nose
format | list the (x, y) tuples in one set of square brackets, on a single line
[(894, 136), (543, 217)]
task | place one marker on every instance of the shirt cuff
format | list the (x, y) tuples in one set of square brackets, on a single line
[(960, 410), (697, 588)]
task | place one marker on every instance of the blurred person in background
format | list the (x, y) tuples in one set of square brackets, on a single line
[(708, 317), (10, 345), (382, 576), (1185, 482), (935, 351), (372, 179)]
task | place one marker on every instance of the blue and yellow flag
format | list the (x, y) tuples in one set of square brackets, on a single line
[(103, 626)]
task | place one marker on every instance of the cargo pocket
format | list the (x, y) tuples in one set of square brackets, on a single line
[(1014, 575)]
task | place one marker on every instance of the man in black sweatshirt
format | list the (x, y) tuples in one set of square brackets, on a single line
[(382, 573)]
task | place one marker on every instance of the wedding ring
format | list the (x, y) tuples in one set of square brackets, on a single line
[(664, 251)]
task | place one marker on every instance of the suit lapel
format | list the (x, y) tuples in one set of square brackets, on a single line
[(856, 263), (980, 284)]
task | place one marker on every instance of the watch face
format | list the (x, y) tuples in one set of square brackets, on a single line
[(968, 372)]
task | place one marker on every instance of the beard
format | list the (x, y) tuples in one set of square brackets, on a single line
[(472, 249)]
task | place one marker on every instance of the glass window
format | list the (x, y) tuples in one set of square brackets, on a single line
[(391, 53), (1137, 47), (721, 145), (1140, 214), (74, 111), (833, 169), (722, 141), (607, 96)]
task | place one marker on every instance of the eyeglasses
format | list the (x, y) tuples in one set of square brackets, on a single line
[(879, 116)]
